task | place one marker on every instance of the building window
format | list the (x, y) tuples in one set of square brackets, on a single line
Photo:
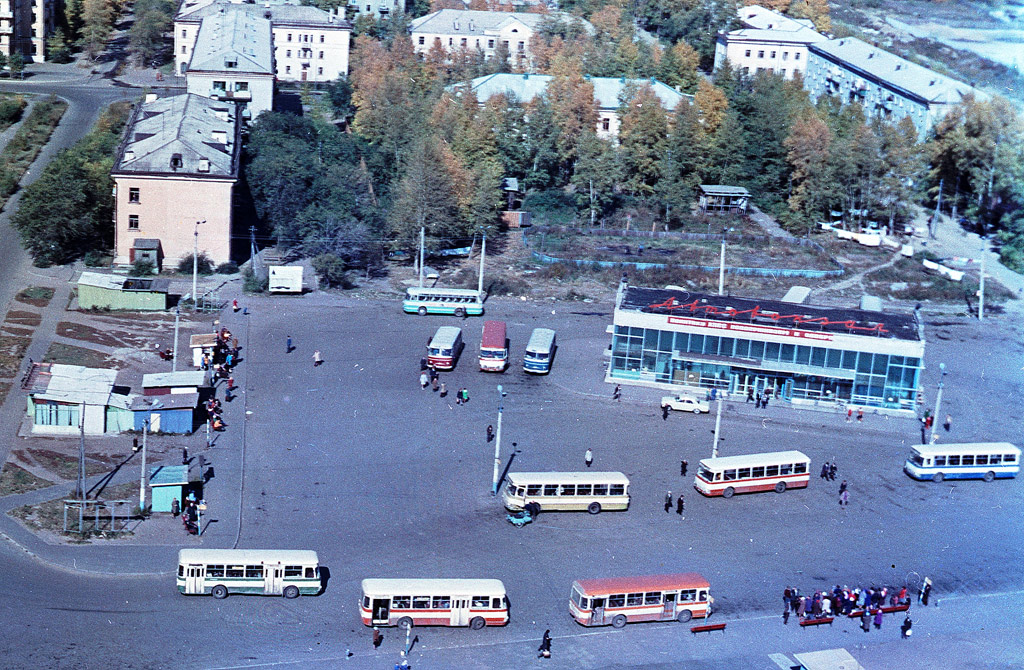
[(56, 414), (785, 55), (783, 72), (321, 55), (796, 56), (184, 49), (606, 124), (462, 42), (289, 37), (451, 42), (748, 53), (490, 44), (773, 54), (220, 86), (319, 70), (242, 86), (133, 222), (288, 53), (184, 33), (760, 54), (746, 70), (422, 39), (287, 69), (521, 46), (321, 39), (133, 195)]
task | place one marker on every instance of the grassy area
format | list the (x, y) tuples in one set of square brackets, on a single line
[(72, 355), (49, 516), (24, 318), (86, 333), (15, 480), (37, 296), (11, 109), (63, 466), (26, 144), (12, 351), (909, 280)]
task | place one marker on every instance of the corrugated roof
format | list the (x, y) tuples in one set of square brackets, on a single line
[(178, 378), (756, 16), (607, 90), (78, 384), (168, 475), (471, 22), (120, 283), (150, 403), (227, 37), (100, 280), (718, 189), (280, 13), (805, 36)]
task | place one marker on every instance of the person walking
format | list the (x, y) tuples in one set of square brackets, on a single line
[(423, 380), (435, 383), (444, 390), (617, 393), (680, 505), (844, 498), (824, 470), (842, 487), (668, 501), (849, 414), (458, 396), (878, 618), (860, 415), (318, 359), (545, 645), (377, 638), (948, 422), (288, 345), (906, 628), (234, 305), (588, 457), (465, 395), (490, 433), (683, 465), (832, 470), (750, 396), (664, 412), (926, 591), (764, 400), (865, 621)]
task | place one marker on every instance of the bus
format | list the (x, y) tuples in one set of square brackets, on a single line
[(457, 301), (434, 602), (494, 347), (981, 460), (540, 351), (775, 471), (622, 600), (272, 572), (444, 348), (567, 491)]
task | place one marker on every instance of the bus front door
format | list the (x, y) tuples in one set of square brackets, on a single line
[(272, 578), (381, 610), (460, 612), (194, 579), (597, 618), (669, 612)]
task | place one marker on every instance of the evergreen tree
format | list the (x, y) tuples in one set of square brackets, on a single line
[(97, 21), (57, 48), (595, 176), (683, 163), (642, 139)]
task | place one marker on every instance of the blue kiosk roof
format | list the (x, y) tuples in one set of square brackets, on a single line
[(168, 475)]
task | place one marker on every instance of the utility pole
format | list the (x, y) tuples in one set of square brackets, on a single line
[(938, 399), (718, 427), (483, 252), (592, 212), (721, 268), (81, 470), (422, 233), (174, 354), (933, 224), (195, 267), (981, 284), (142, 474), (497, 442)]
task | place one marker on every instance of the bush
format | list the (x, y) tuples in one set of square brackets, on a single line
[(142, 268), (253, 284), (228, 268), (502, 285), (204, 265), (10, 110), (96, 259), (553, 206), (331, 271)]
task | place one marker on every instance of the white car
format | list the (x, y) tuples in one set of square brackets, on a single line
[(685, 403)]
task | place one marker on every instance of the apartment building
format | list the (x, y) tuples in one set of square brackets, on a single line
[(378, 9), (768, 41), (25, 26)]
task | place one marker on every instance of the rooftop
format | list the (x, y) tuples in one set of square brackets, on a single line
[(71, 383), (805, 36), (756, 16), (719, 189), (183, 134), (149, 403), (179, 378), (233, 41), (479, 23), (168, 475), (120, 283), (901, 73), (279, 13), (607, 90), (771, 313)]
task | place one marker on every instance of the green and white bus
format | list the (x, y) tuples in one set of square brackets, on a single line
[(272, 572), (457, 301)]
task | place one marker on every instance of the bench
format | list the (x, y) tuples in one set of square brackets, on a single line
[(892, 609), (817, 622), (707, 628)]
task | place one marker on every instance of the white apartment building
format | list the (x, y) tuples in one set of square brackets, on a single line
[(378, 9), (309, 44), (768, 41), (25, 26)]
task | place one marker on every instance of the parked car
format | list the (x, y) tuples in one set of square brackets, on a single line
[(685, 403)]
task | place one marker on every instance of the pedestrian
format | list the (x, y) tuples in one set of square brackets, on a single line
[(865, 621), (423, 380), (435, 384), (750, 396), (764, 400), (458, 394), (664, 412), (832, 470), (318, 359), (465, 395), (433, 373), (617, 393), (490, 433), (757, 401), (824, 470), (288, 345), (683, 464), (444, 390), (842, 487), (545, 645), (785, 615), (206, 361), (234, 305), (423, 364), (902, 599), (680, 505), (878, 618), (844, 499), (377, 637), (948, 422), (234, 346), (905, 628), (860, 415), (849, 415), (926, 592), (588, 457), (175, 507), (184, 455), (668, 501), (231, 384)]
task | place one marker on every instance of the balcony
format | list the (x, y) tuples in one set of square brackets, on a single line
[(220, 94)]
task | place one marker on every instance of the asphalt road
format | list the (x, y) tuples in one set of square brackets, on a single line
[(383, 479)]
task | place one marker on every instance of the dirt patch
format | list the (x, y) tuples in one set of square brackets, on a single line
[(909, 280), (14, 330), (12, 351), (24, 318), (64, 466), (38, 296), (48, 517), (72, 355), (15, 479), (86, 333)]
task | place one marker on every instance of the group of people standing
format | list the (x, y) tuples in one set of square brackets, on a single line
[(761, 399), (429, 376), (842, 601)]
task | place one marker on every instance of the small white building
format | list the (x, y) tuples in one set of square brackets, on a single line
[(378, 9), (69, 399), (768, 41)]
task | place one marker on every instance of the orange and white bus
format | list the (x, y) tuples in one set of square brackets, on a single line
[(445, 347), (622, 600), (776, 471), (434, 602), (494, 347)]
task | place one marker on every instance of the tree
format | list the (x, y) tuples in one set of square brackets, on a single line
[(573, 109), (424, 198), (339, 92), (683, 162), (97, 21), (57, 48), (153, 18), (685, 61), (595, 176), (331, 271), (642, 138), (16, 62), (901, 168), (815, 10), (808, 152), (711, 105)]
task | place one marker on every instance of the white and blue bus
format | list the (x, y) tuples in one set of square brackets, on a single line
[(540, 350), (457, 301), (978, 460)]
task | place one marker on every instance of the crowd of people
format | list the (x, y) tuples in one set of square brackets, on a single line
[(841, 601)]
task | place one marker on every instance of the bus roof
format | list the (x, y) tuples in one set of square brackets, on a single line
[(567, 477), (770, 458), (683, 580), (973, 447), (433, 587), (445, 337), (494, 335), (438, 290), (540, 340), (241, 556)]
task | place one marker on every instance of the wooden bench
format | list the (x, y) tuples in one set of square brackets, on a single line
[(707, 628), (817, 622), (895, 608)]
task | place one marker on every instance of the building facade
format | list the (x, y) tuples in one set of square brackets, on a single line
[(768, 41), (233, 60), (378, 9), (883, 83), (177, 165), (309, 44), (25, 27), (801, 354), (608, 92)]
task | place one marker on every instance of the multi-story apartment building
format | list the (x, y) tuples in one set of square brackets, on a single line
[(177, 165), (309, 44), (232, 60), (768, 41), (25, 26), (378, 9), (883, 83)]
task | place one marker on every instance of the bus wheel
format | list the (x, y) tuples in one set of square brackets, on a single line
[(291, 591), (459, 312), (989, 476), (685, 616), (728, 492), (937, 477), (422, 311), (405, 622), (594, 508), (220, 592), (780, 487), (477, 622), (619, 621)]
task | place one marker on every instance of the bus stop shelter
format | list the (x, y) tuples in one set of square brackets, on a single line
[(167, 482)]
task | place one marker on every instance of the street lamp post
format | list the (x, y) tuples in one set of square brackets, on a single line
[(174, 354), (195, 266), (718, 426), (721, 268), (938, 399), (142, 475), (497, 442)]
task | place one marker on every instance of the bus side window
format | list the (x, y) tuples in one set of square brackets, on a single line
[(600, 489), (311, 573), (994, 459), (236, 571), (401, 602), (442, 602), (718, 476), (551, 489), (215, 571), (940, 461), (421, 602), (757, 472), (771, 471), (583, 490), (293, 570), (618, 489), (480, 601), (687, 595), (652, 598), (533, 489), (703, 596), (786, 469), (730, 475), (1009, 458), (953, 460), (254, 571), (800, 468), (569, 490), (967, 460), (617, 600), (634, 599), (181, 570), (981, 460)]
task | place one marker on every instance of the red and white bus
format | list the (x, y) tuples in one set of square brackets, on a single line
[(494, 347), (622, 600), (776, 471), (434, 602), (444, 348)]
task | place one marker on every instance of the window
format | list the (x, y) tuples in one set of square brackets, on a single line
[(600, 489), (451, 41), (462, 42), (289, 37), (796, 56), (56, 414), (743, 473), (605, 124), (133, 195), (254, 571), (533, 489), (288, 54), (550, 489), (757, 472), (773, 54), (241, 86), (747, 53), (215, 571), (785, 55), (618, 489), (521, 46), (981, 460), (496, 603), (321, 55), (422, 39), (133, 222), (994, 459), (220, 85), (771, 471), (617, 600), (760, 54), (287, 69), (729, 475), (490, 44), (480, 601), (293, 571), (184, 33), (583, 490), (967, 460), (184, 49), (310, 573), (687, 595), (569, 490), (321, 39), (442, 603), (421, 602), (799, 468), (1009, 458), (652, 598), (319, 70), (401, 602), (786, 469), (940, 461), (634, 599), (235, 571)]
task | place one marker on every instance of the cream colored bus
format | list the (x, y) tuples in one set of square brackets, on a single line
[(434, 602), (272, 572), (567, 491)]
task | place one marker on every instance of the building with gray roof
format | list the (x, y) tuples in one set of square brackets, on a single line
[(768, 41)]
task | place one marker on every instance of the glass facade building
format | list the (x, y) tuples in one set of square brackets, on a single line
[(798, 353)]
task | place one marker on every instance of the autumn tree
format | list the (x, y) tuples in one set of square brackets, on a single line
[(595, 176), (683, 162), (425, 197), (573, 108), (711, 106), (643, 131), (808, 152), (97, 22)]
